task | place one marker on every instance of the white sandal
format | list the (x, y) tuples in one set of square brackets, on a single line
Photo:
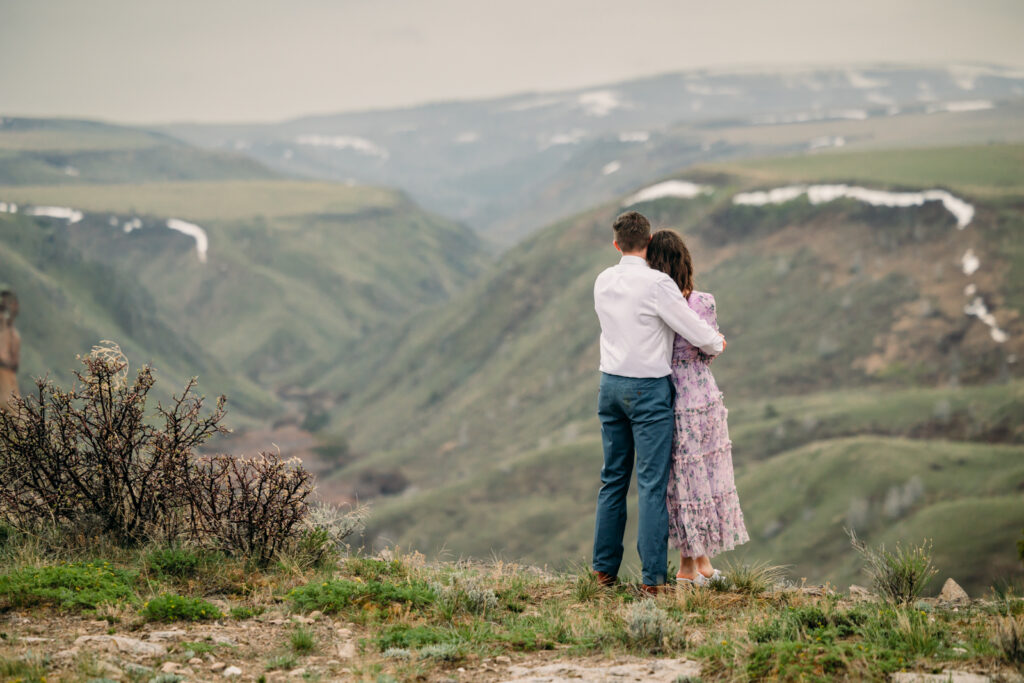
[(699, 580)]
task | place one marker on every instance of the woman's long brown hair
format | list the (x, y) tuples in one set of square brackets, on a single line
[(668, 253)]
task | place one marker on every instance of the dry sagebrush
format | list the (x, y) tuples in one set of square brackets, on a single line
[(92, 455)]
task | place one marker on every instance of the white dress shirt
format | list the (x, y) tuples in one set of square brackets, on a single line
[(641, 309)]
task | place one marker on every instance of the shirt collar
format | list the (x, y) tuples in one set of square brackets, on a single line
[(632, 261)]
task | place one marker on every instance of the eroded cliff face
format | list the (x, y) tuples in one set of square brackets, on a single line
[(10, 348)]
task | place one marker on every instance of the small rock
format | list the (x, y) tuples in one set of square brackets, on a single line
[(346, 650), (959, 650), (860, 592), (503, 659), (110, 669), (67, 654), (34, 639), (173, 634), (185, 671), (217, 666), (344, 633), (224, 640), (302, 620), (316, 614), (297, 672), (277, 622), (124, 644), (232, 671), (170, 667), (195, 661), (952, 592), (947, 676)]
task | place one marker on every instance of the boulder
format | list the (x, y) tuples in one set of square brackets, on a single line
[(947, 676), (124, 644), (952, 592), (860, 593)]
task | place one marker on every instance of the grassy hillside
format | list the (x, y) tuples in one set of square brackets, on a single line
[(843, 319), (798, 505), (61, 151), (68, 304), (293, 271), (990, 170)]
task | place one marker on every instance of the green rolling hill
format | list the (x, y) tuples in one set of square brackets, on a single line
[(279, 275), (844, 320), (63, 151)]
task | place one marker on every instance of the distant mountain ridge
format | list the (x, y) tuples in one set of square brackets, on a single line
[(495, 164)]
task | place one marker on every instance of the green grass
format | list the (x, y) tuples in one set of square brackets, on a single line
[(983, 170), (180, 563), (74, 586), (210, 201), (344, 594), (170, 607), (302, 641), (735, 633), (25, 670), (242, 612)]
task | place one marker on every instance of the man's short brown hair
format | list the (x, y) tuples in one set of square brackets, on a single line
[(632, 231)]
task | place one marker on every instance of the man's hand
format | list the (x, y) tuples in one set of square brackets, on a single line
[(711, 359)]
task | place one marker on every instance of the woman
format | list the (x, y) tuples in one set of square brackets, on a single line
[(704, 511)]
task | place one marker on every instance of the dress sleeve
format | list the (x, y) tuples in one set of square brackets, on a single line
[(677, 314)]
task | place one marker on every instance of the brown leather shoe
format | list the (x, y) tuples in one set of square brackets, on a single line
[(606, 580), (654, 590)]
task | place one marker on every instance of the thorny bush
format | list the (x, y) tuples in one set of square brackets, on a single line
[(92, 461)]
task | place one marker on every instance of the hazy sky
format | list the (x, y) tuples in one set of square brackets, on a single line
[(243, 60)]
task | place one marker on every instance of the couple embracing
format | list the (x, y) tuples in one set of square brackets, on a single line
[(659, 401)]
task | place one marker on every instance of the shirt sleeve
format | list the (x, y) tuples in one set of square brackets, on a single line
[(677, 314)]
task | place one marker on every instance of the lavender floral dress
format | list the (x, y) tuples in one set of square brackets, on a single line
[(704, 516)]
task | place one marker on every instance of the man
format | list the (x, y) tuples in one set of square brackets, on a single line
[(640, 310)]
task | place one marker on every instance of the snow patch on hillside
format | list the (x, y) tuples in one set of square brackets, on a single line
[(863, 82), (634, 136), (703, 89), (571, 137), (611, 167), (960, 106), (600, 102), (969, 262), (683, 189), (194, 231), (978, 309), (70, 215), (819, 194), (356, 144), (826, 141)]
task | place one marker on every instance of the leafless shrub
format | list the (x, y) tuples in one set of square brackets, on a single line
[(249, 506), (92, 456), (339, 522)]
